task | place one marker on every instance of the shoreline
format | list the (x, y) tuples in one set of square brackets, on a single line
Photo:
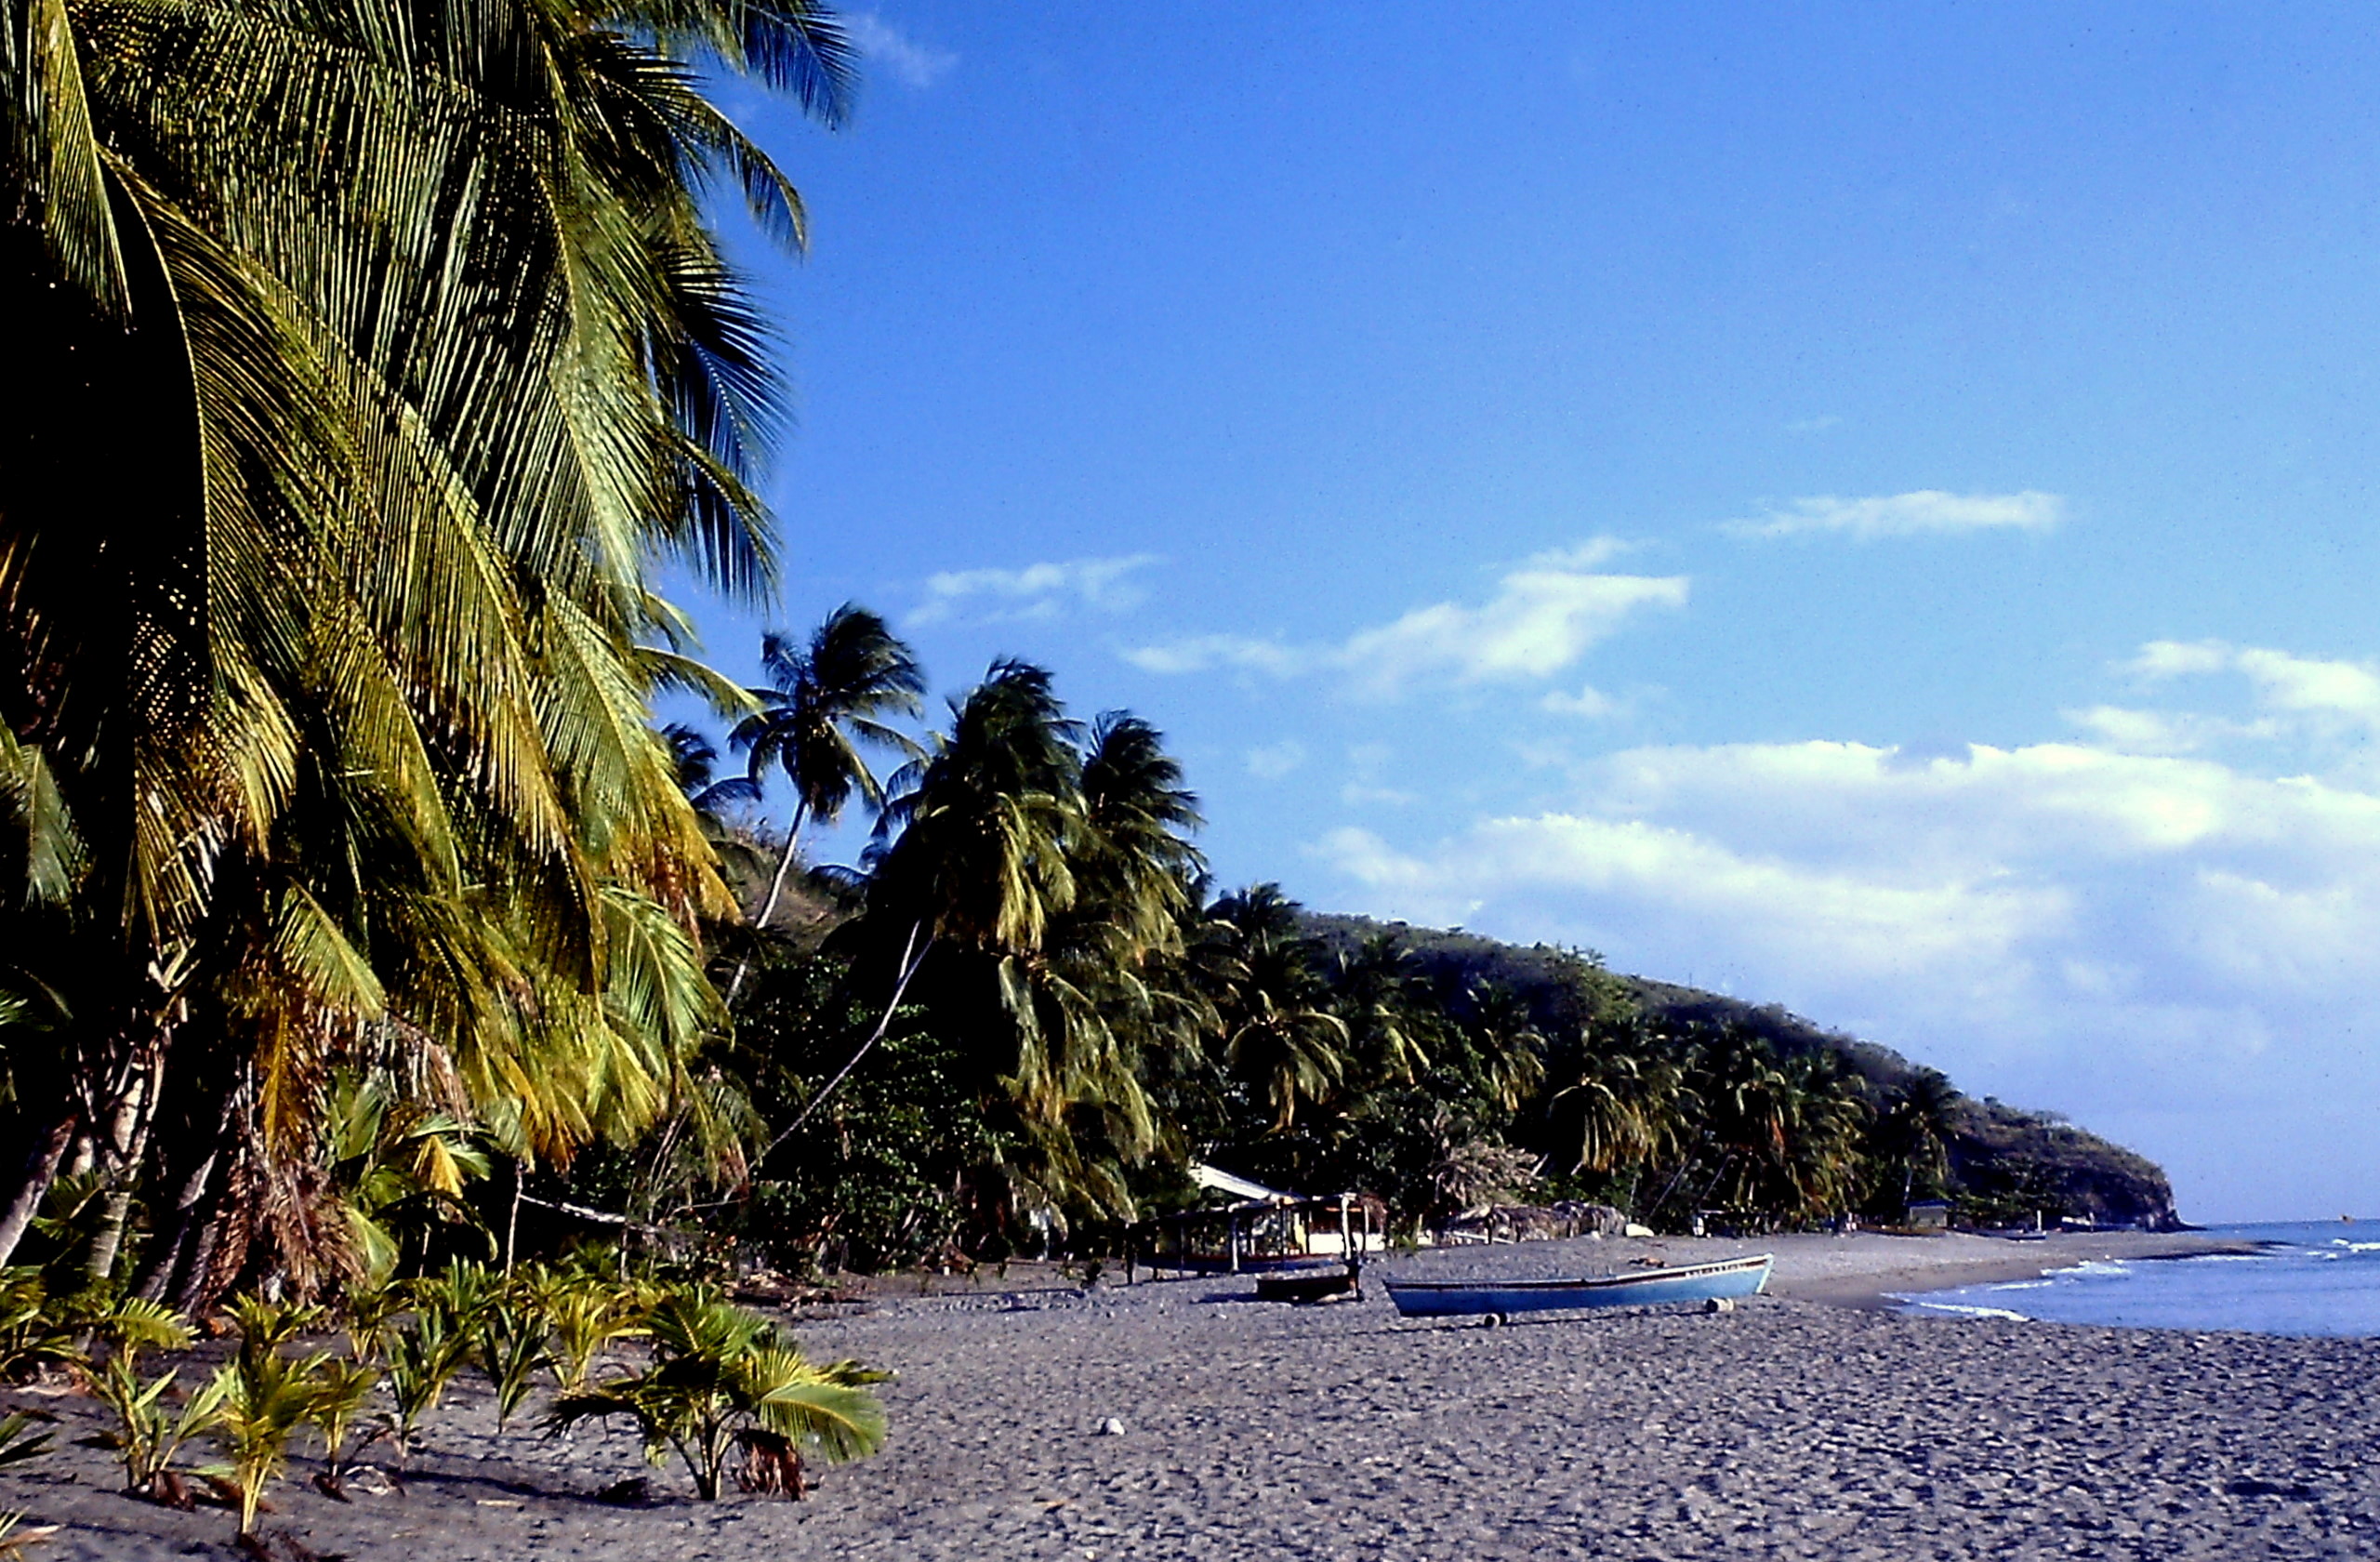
[(1884, 1291), (1867, 1271)]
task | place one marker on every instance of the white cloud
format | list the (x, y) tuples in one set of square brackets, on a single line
[(912, 63), (1540, 621), (2173, 659), (1544, 616), (2308, 695), (2157, 942), (1199, 653), (1037, 590), (1274, 761), (2306, 685), (1926, 511)]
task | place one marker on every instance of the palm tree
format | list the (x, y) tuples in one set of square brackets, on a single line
[(344, 690), (1388, 1007), (824, 704), (1916, 1126), (1280, 1037), (1624, 1104)]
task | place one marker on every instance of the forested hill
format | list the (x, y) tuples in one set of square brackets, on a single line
[(1998, 1155)]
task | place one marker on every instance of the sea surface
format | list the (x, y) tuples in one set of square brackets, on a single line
[(2315, 1278)]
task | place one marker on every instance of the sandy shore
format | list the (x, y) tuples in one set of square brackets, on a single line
[(1788, 1429)]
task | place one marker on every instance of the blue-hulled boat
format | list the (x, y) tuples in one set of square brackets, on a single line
[(1724, 1280)]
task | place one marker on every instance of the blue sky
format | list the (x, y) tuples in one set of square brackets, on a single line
[(1863, 507)]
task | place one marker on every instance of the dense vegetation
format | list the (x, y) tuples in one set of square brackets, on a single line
[(1016, 1023)]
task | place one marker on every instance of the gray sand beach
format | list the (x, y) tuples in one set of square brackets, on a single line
[(1796, 1426)]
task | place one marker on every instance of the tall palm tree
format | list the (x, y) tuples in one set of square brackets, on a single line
[(344, 685), (824, 705)]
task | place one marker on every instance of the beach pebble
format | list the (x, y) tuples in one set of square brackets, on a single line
[(1110, 1427)]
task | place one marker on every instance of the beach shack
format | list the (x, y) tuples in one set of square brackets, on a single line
[(1241, 1223), (1929, 1214)]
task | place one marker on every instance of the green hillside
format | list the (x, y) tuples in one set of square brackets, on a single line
[(2003, 1163)]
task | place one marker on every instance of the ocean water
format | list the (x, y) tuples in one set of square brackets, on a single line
[(2315, 1278)]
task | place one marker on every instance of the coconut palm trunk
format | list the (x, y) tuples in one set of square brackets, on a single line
[(776, 891), (39, 1170)]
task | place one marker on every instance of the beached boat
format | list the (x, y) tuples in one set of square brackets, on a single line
[(1723, 1280)]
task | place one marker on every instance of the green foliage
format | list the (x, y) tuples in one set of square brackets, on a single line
[(368, 1312), (422, 1357), (264, 1398), (341, 1397), (32, 1333), (512, 1351), (583, 1312), (723, 1383), (150, 1427)]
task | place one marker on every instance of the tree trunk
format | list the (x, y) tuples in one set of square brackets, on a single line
[(125, 1146), (769, 904), (207, 1227), (512, 1218), (39, 1171)]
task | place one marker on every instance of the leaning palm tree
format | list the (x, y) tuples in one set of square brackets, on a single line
[(824, 707), (343, 687)]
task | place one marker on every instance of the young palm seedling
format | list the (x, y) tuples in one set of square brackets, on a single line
[(150, 1427), (368, 1312), (723, 1384), (265, 1398), (513, 1351), (346, 1389), (423, 1357), (585, 1313)]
